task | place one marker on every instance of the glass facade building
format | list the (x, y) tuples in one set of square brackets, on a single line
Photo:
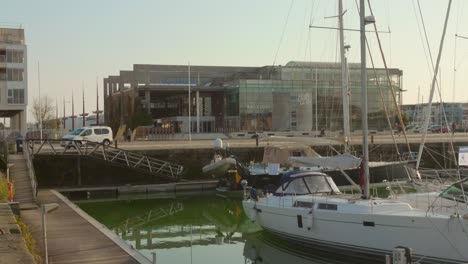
[(304, 96), (300, 96)]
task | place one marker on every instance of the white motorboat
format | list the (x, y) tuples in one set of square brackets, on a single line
[(219, 166), (309, 208), (220, 163)]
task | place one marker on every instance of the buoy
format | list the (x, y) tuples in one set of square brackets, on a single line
[(309, 220), (11, 191), (218, 144)]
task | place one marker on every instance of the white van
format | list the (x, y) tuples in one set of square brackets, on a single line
[(99, 134)]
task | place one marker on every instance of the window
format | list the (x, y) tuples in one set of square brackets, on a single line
[(15, 74), (104, 131), (16, 96), (326, 206), (87, 132), (3, 74), (97, 131)]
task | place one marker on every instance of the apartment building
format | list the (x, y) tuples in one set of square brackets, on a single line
[(13, 78)]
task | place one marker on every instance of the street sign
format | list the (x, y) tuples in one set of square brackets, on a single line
[(463, 156)]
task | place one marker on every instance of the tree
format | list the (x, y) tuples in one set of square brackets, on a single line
[(140, 118), (43, 111), (404, 117)]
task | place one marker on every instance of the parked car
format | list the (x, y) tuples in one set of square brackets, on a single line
[(99, 134), (440, 129)]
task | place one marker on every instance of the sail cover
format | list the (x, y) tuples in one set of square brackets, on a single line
[(338, 162)]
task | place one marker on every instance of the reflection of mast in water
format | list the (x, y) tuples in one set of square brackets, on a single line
[(153, 215)]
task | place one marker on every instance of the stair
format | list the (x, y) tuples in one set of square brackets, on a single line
[(19, 174)]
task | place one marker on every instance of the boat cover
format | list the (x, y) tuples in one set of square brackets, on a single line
[(338, 162)]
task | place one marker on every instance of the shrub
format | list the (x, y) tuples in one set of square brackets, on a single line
[(30, 242), (3, 189)]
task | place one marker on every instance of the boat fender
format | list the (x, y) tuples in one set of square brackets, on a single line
[(253, 214), (309, 220), (253, 194)]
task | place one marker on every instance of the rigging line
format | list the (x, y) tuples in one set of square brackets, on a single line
[(434, 71), (430, 54), (421, 38), (455, 55), (397, 108), (311, 21), (389, 123), (284, 30), (302, 34)]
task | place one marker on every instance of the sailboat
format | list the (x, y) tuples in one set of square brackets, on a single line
[(309, 208)]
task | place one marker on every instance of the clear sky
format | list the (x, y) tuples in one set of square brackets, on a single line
[(77, 41)]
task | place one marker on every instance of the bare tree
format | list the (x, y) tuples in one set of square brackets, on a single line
[(43, 111)]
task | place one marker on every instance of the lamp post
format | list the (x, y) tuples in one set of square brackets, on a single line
[(46, 208)]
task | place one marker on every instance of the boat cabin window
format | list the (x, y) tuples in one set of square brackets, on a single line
[(296, 154), (303, 204), (457, 192), (326, 206), (308, 184)]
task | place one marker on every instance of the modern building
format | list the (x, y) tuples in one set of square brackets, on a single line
[(13, 77), (441, 113), (300, 96)]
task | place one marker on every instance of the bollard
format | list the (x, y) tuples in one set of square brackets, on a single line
[(115, 143), (372, 139), (154, 257)]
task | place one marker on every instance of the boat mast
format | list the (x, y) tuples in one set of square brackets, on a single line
[(344, 80), (365, 142), (431, 95)]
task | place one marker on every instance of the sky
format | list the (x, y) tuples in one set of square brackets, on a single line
[(76, 42)]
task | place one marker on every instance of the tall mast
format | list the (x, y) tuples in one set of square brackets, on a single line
[(97, 102), (64, 117), (431, 95), (344, 80), (365, 143), (73, 112), (83, 114)]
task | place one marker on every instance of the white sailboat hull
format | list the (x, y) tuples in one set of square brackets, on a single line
[(373, 227)]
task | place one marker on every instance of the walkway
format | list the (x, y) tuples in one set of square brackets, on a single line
[(74, 237), (19, 174)]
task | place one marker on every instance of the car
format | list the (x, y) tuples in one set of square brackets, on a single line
[(440, 129), (98, 134)]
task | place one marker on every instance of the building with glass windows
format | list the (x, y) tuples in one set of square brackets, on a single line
[(440, 113), (13, 77), (300, 96)]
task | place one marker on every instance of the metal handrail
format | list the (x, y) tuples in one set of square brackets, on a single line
[(108, 153), (31, 172)]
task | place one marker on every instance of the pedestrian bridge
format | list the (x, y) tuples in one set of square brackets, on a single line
[(107, 153)]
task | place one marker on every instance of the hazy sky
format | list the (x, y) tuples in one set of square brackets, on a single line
[(77, 41)]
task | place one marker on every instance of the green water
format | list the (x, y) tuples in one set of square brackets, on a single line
[(199, 229)]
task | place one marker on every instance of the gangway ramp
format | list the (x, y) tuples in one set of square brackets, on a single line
[(113, 155)]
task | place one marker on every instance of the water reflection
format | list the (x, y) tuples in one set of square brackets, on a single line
[(193, 229), (264, 248), (199, 229)]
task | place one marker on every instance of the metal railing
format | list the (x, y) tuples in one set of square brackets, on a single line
[(31, 172), (107, 153)]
